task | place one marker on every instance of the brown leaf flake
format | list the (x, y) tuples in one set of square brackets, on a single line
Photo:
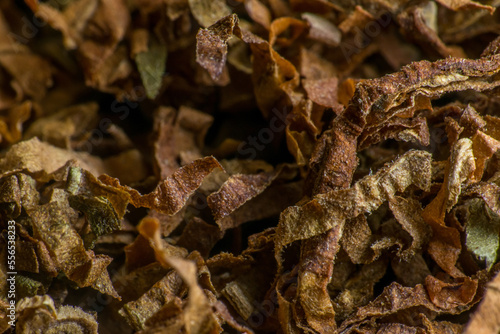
[(323, 92), (177, 133), (237, 190), (271, 87), (258, 12), (486, 319), (270, 203), (450, 295), (408, 213), (359, 17), (50, 222), (399, 301), (357, 240), (82, 182), (445, 245), (198, 316), (137, 312), (409, 130), (60, 127), (314, 277), (483, 147), (414, 22), (200, 236), (172, 193), (322, 30)]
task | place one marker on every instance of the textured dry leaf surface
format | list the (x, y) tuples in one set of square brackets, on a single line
[(250, 166)]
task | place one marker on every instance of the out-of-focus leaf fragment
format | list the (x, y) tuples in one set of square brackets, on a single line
[(28, 287), (84, 184), (198, 316), (465, 4), (445, 245), (151, 65), (11, 125), (322, 30), (207, 12), (200, 236), (65, 125), (237, 190), (450, 295)]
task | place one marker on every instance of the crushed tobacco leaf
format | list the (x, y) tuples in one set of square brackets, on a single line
[(249, 166)]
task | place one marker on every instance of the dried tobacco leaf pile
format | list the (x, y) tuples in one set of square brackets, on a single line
[(251, 166)]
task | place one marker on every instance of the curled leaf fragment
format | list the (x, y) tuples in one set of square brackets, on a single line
[(450, 295), (39, 315), (327, 210), (198, 316), (151, 65), (172, 193), (238, 189), (51, 224)]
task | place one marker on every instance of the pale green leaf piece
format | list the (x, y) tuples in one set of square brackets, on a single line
[(482, 232), (151, 65)]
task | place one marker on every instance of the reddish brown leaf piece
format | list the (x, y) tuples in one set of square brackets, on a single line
[(450, 295), (173, 192), (236, 191)]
